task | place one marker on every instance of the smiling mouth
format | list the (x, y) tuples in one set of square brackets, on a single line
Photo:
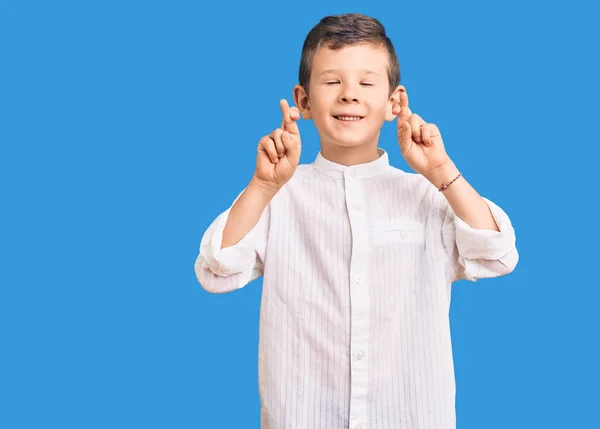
[(349, 118)]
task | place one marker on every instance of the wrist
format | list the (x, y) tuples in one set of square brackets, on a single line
[(445, 173), (264, 189)]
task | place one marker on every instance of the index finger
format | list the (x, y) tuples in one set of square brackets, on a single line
[(405, 110), (288, 122)]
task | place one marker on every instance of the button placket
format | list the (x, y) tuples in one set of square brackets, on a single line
[(359, 299)]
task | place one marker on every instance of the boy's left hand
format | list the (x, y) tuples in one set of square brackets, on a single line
[(421, 143)]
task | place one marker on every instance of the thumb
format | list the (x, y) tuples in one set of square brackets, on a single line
[(404, 136)]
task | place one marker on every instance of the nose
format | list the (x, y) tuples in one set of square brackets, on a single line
[(348, 95)]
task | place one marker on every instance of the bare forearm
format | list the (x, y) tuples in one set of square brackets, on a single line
[(463, 198), (246, 212)]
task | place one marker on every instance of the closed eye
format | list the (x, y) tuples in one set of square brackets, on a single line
[(336, 82)]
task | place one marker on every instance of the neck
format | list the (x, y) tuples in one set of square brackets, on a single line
[(355, 155)]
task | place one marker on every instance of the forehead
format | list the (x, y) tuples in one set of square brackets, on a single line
[(351, 58)]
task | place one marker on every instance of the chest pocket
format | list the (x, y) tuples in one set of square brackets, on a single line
[(397, 231)]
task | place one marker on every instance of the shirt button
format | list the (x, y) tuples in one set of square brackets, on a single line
[(357, 207), (352, 174), (360, 354), (358, 427), (358, 279)]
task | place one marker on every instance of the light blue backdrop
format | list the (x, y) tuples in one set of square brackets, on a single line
[(127, 126)]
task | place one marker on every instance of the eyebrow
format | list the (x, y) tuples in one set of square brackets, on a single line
[(365, 71)]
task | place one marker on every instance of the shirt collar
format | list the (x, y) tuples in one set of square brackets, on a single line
[(368, 169)]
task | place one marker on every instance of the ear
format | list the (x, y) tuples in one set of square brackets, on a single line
[(301, 100), (394, 104)]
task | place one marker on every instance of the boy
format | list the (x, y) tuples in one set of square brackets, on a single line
[(358, 257)]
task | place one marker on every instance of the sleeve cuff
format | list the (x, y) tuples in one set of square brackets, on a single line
[(485, 244), (233, 259)]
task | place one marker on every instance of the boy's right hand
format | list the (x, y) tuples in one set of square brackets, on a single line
[(279, 152)]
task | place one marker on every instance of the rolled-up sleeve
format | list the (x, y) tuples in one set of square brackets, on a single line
[(478, 253), (224, 270)]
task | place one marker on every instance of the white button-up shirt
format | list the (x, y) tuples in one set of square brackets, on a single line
[(358, 263)]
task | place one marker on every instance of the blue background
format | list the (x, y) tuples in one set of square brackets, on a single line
[(127, 127)]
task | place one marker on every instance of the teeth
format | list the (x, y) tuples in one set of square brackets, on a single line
[(348, 118)]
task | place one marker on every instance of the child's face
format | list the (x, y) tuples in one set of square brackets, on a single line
[(351, 81)]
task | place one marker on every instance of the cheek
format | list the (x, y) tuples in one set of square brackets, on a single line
[(382, 109), (377, 111), (320, 103), (321, 110)]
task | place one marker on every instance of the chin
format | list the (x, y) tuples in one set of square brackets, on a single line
[(350, 143), (351, 139)]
